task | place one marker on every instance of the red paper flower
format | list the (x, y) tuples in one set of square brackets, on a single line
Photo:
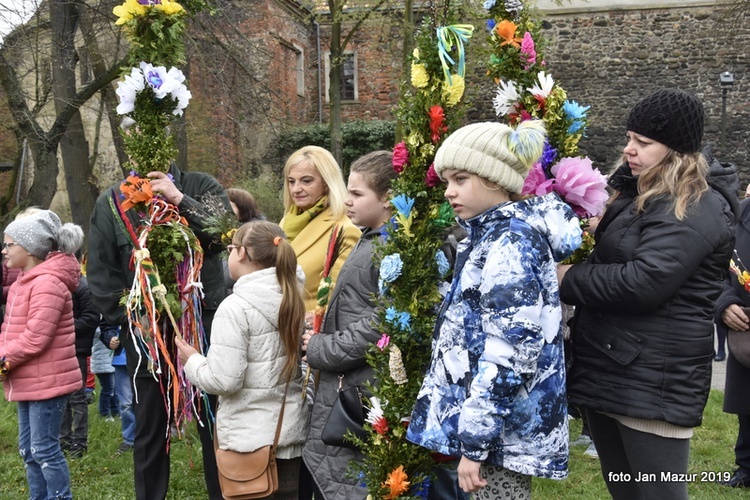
[(380, 426), (400, 157), (432, 179), (437, 123)]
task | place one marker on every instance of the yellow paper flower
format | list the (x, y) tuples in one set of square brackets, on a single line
[(419, 76), (169, 7), (128, 10), (396, 482), (415, 53), (454, 92)]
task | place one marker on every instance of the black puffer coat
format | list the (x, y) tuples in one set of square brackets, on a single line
[(643, 328), (339, 349), (738, 376)]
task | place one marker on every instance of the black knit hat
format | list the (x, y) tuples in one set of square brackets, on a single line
[(671, 117)]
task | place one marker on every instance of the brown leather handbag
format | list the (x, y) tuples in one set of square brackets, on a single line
[(247, 475)]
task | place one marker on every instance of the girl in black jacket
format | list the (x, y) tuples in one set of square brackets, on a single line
[(643, 330)]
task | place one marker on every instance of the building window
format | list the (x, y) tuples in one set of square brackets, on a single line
[(348, 83), (300, 70)]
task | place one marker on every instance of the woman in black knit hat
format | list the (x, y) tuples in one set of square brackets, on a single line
[(643, 329)]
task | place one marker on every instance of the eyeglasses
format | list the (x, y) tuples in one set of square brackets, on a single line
[(232, 247), (7, 245)]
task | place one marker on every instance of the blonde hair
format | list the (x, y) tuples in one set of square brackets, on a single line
[(329, 170), (266, 244), (681, 177)]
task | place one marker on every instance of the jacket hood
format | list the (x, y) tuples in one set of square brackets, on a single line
[(63, 266), (262, 291), (547, 214), (724, 178)]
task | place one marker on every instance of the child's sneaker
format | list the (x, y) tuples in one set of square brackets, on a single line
[(591, 451), (582, 440)]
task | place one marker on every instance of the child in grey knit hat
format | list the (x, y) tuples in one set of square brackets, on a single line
[(37, 349)]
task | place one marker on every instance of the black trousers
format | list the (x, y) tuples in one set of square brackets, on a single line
[(150, 456), (633, 461), (74, 431), (742, 447)]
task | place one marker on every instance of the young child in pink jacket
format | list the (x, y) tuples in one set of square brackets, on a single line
[(37, 344)]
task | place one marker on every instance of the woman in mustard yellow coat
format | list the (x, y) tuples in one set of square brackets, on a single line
[(314, 193)]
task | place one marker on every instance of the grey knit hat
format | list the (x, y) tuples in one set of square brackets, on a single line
[(37, 233), (494, 151), (671, 117)]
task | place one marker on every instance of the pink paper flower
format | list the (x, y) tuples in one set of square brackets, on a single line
[(528, 53), (536, 182), (400, 157), (383, 342), (581, 185), (432, 179)]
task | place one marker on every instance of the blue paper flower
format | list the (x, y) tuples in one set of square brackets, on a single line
[(442, 263), (576, 113), (488, 4), (390, 267), (403, 205), (491, 25), (404, 321), (422, 489)]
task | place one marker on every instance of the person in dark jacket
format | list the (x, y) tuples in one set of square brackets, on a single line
[(110, 274), (74, 431), (338, 351), (730, 314), (643, 328)]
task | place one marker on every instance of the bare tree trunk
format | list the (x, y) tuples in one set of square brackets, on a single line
[(82, 192), (334, 89), (408, 46)]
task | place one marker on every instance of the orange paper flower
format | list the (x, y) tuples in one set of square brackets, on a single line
[(396, 482), (135, 190), (507, 31)]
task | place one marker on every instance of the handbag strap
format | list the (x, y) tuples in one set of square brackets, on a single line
[(281, 416)]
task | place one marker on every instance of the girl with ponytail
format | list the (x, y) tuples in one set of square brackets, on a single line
[(493, 398), (254, 352)]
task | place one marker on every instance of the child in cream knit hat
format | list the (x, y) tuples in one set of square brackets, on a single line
[(494, 394)]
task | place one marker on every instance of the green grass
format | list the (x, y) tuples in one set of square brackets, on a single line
[(101, 474)]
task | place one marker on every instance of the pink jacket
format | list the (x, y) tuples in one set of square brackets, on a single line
[(38, 336)]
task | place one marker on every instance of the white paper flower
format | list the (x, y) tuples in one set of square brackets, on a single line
[(544, 87), (506, 98), (375, 412), (127, 89)]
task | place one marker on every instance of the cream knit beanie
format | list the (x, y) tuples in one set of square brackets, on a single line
[(494, 151)]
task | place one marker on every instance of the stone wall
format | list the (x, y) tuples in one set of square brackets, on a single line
[(609, 60)]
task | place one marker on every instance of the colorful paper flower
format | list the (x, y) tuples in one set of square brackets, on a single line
[(135, 191), (432, 179), (400, 157), (390, 267), (544, 86), (453, 92), (549, 155), (163, 83), (403, 204), (437, 123), (396, 483), (576, 114), (419, 76), (488, 4), (506, 98), (507, 31), (536, 182), (528, 54), (376, 417), (128, 10), (383, 342), (581, 185)]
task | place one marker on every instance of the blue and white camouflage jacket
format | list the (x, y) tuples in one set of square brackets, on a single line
[(495, 388)]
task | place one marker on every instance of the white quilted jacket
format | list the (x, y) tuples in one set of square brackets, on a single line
[(243, 366)]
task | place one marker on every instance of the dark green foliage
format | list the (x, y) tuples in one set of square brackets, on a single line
[(359, 138)]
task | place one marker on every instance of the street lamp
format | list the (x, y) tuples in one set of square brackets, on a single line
[(726, 80)]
